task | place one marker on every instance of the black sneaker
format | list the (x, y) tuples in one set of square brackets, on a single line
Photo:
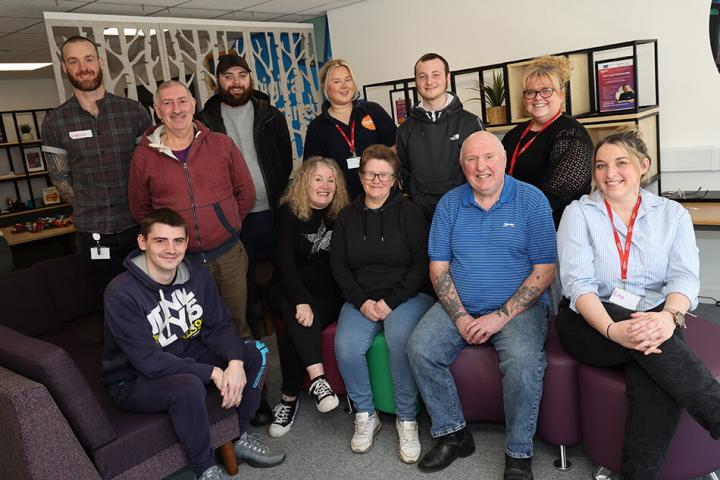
[(518, 468), (263, 416), (325, 398), (283, 417)]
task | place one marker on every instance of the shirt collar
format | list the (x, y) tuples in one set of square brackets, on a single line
[(649, 201), (507, 194)]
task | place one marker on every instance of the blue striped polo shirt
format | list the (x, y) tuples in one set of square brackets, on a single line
[(491, 252)]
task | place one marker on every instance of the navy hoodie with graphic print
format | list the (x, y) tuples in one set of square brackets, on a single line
[(150, 328)]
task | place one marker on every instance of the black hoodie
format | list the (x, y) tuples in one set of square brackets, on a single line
[(429, 151), (380, 254)]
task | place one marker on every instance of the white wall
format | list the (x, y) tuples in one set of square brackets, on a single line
[(24, 94), (382, 39)]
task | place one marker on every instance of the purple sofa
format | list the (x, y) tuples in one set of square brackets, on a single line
[(479, 384), (692, 453), (55, 416)]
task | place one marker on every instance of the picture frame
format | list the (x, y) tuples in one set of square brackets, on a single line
[(51, 196), (34, 161), (400, 106), (616, 85)]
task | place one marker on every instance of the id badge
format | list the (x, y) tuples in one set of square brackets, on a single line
[(98, 252), (353, 162), (624, 299)]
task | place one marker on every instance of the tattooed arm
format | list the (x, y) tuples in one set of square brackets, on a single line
[(448, 297), (534, 285), (61, 175)]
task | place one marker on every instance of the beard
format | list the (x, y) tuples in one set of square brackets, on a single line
[(235, 100), (89, 85)]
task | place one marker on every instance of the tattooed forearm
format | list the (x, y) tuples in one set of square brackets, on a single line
[(532, 288), (447, 295), (61, 176)]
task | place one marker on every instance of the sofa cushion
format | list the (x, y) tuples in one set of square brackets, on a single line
[(26, 304), (71, 288), (52, 366)]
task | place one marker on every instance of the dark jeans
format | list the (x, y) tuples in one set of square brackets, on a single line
[(120, 244), (300, 347), (183, 397), (658, 387), (258, 238)]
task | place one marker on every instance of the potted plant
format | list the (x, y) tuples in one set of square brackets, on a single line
[(493, 93), (26, 133)]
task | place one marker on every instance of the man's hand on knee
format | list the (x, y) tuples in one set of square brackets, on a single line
[(233, 383)]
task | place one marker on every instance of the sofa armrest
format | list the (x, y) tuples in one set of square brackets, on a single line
[(37, 441)]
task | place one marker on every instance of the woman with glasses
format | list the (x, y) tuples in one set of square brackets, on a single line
[(552, 150), (379, 259), (346, 125), (310, 299)]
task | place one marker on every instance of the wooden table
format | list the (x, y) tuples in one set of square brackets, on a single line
[(704, 214), (27, 237)]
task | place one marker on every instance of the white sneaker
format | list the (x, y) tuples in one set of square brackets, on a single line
[(409, 440), (325, 398), (366, 427)]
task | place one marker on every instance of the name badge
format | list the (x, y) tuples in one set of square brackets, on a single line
[(81, 134), (353, 162), (624, 299)]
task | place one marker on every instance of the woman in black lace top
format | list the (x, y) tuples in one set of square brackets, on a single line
[(552, 150)]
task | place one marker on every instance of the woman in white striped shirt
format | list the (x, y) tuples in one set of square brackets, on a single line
[(629, 268)]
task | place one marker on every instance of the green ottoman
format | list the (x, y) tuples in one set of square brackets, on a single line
[(378, 359)]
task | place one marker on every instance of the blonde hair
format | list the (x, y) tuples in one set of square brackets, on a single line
[(631, 140), (554, 68), (297, 198), (327, 70)]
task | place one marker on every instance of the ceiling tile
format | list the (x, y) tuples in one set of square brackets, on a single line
[(34, 8), (12, 24), (39, 27), (291, 6), (245, 16), (162, 3), (189, 13), (119, 9), (227, 4), (32, 40), (292, 17)]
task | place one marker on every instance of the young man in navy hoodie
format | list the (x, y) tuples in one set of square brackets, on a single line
[(168, 335)]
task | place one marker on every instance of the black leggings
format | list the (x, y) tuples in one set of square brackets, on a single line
[(301, 346), (658, 387)]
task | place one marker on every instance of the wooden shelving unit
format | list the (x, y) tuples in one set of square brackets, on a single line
[(582, 93)]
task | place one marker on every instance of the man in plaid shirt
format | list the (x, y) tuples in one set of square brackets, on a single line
[(88, 142)]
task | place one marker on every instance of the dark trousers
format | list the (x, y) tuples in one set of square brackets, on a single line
[(300, 347), (658, 387), (120, 244), (183, 397), (258, 238)]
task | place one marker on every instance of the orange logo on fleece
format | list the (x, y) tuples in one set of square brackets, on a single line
[(367, 122)]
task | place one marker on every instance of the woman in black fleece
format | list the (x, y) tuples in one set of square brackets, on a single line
[(310, 297), (379, 259)]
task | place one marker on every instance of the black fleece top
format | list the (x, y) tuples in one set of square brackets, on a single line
[(380, 254), (372, 126), (303, 256)]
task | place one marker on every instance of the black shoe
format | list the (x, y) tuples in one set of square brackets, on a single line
[(263, 416), (518, 468), (446, 450)]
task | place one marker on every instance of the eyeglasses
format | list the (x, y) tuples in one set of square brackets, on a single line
[(382, 176), (544, 93)]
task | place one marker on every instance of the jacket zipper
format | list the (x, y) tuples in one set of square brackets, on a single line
[(192, 208)]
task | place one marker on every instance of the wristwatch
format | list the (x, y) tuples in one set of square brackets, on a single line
[(678, 317)]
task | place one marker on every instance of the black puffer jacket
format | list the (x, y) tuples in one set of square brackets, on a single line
[(429, 152), (272, 140)]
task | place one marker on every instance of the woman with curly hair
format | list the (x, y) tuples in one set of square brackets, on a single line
[(311, 299)]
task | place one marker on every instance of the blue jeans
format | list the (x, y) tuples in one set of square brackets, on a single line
[(354, 335), (436, 343)]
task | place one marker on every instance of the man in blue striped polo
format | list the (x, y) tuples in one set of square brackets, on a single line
[(492, 255)]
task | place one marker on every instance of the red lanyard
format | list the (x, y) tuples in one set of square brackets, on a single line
[(350, 141), (624, 254), (517, 153)]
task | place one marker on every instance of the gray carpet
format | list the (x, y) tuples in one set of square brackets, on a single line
[(318, 446)]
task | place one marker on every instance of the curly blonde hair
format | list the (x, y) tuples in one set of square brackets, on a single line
[(556, 69), (296, 195)]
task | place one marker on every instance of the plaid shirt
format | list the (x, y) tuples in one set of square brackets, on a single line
[(98, 152)]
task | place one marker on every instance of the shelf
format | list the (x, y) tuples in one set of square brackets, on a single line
[(34, 210), (18, 176), (33, 143)]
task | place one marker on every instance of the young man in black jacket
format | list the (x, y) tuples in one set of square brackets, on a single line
[(428, 142), (261, 132)]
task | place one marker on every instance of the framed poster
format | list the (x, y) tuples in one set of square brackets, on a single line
[(51, 196), (33, 159), (400, 105), (615, 81)]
